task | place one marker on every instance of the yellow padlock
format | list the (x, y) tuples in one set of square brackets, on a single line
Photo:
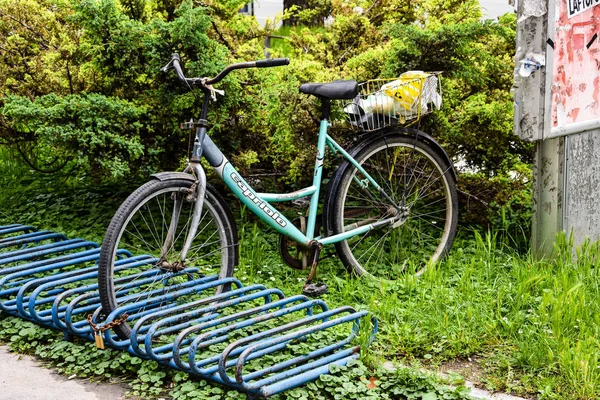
[(99, 340)]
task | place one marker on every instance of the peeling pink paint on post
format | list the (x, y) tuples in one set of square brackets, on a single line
[(576, 73)]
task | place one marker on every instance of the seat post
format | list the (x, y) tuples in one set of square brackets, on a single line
[(325, 108)]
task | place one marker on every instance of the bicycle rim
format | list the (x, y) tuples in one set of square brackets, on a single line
[(141, 226), (418, 181)]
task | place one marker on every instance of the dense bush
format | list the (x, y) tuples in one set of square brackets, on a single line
[(81, 79)]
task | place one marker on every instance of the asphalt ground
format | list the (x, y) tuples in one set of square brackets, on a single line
[(25, 378)]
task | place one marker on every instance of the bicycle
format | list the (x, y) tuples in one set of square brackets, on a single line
[(389, 208)]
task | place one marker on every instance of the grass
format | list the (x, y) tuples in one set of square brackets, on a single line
[(531, 325)]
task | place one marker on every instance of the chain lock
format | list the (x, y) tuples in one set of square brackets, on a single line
[(98, 338)]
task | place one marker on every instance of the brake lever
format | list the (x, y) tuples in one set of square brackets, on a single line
[(170, 65), (167, 67), (201, 82)]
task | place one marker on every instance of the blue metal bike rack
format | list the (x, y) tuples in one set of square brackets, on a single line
[(222, 337)]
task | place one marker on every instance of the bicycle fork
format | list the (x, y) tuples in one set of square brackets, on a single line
[(198, 190)]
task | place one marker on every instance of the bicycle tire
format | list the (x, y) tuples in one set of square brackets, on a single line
[(142, 206), (400, 162)]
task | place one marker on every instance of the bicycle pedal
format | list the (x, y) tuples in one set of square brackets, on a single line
[(315, 289)]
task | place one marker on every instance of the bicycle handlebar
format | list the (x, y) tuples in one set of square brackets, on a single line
[(272, 62), (175, 63)]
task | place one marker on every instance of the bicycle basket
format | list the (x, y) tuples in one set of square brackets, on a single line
[(386, 102)]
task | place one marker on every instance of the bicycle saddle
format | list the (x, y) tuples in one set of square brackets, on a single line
[(336, 90)]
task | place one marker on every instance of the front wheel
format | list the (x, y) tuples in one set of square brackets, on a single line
[(153, 224), (424, 208)]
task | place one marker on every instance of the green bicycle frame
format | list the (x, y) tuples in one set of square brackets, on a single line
[(260, 203)]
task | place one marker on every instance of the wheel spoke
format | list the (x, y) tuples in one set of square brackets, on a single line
[(142, 227), (410, 173)]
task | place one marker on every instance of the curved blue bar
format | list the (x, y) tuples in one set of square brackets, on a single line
[(28, 238), (5, 230), (52, 280), (179, 317), (38, 251)]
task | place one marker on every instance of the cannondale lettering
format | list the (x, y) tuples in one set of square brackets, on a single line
[(261, 204)]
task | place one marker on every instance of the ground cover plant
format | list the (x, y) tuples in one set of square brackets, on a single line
[(82, 209), (530, 327)]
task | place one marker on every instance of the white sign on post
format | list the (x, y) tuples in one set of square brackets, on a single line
[(575, 78), (576, 7)]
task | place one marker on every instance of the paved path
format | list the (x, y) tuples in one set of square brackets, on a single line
[(485, 395), (24, 378)]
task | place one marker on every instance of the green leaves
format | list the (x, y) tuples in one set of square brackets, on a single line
[(38, 48), (110, 110), (116, 48), (355, 381), (475, 124), (103, 132)]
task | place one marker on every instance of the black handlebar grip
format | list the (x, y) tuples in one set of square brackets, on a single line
[(272, 62)]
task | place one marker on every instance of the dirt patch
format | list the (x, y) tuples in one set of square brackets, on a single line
[(474, 374), (468, 368)]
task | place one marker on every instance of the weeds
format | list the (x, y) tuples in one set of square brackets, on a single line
[(533, 325)]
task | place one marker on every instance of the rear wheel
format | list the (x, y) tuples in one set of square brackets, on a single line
[(420, 183), (141, 226)]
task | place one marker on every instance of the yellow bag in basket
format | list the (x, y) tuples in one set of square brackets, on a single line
[(407, 89)]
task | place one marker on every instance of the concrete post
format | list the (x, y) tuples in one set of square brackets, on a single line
[(532, 120), (547, 195)]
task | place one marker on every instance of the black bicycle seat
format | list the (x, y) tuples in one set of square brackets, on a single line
[(336, 90)]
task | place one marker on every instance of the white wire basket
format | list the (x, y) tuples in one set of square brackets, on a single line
[(397, 101)]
